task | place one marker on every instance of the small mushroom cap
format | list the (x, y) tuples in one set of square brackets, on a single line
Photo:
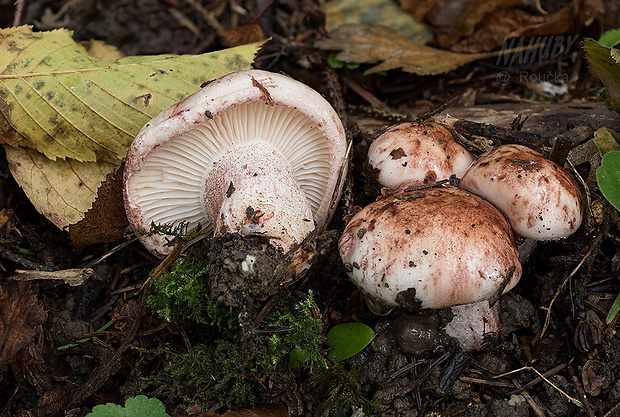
[(431, 248), (415, 152), (171, 157), (540, 198)]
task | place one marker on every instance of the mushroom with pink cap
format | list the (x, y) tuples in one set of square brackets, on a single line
[(416, 152), (540, 198), (428, 249), (252, 153)]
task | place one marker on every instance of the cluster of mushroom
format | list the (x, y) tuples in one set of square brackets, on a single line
[(253, 153), (421, 247)]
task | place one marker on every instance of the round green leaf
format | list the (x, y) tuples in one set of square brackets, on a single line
[(608, 177), (348, 339)]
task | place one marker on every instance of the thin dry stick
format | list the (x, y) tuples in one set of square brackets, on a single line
[(479, 381), (612, 411), (566, 280), (529, 399), (207, 15), (536, 380), (19, 10), (544, 378), (579, 387)]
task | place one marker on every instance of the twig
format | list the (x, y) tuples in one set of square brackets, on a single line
[(612, 411), (536, 380), (106, 369), (594, 247), (110, 253), (19, 10), (478, 381), (21, 261), (530, 400), (586, 404), (414, 384), (401, 371), (529, 368)]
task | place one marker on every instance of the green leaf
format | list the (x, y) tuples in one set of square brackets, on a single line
[(604, 64), (140, 406), (613, 311), (348, 339), (610, 38), (608, 177), (65, 103)]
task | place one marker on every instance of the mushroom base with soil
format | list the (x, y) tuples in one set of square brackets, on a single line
[(247, 270), (252, 190)]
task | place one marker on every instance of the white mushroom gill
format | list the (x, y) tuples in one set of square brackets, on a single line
[(172, 180)]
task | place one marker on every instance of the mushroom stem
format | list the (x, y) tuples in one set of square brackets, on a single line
[(252, 190)]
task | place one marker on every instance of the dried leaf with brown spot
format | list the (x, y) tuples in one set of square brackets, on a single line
[(106, 220), (61, 190), (371, 44), (20, 313), (242, 35)]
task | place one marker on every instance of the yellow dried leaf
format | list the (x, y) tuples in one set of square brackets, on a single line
[(61, 190), (371, 44)]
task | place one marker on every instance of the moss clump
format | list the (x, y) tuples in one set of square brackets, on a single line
[(227, 369), (227, 366), (303, 334), (182, 293)]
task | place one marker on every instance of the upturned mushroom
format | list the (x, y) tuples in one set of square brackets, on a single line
[(254, 153), (416, 152), (429, 249), (540, 198)]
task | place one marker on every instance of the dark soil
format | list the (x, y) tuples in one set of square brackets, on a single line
[(554, 357)]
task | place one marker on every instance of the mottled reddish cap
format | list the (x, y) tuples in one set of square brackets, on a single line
[(430, 248), (170, 159), (416, 152), (540, 198)]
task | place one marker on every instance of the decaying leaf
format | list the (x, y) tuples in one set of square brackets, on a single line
[(61, 190), (106, 220), (503, 24), (65, 103), (456, 19), (603, 65), (20, 314), (375, 13), (371, 44), (5, 215)]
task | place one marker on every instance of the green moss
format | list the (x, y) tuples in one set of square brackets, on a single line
[(305, 334), (340, 388), (182, 293), (227, 368)]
